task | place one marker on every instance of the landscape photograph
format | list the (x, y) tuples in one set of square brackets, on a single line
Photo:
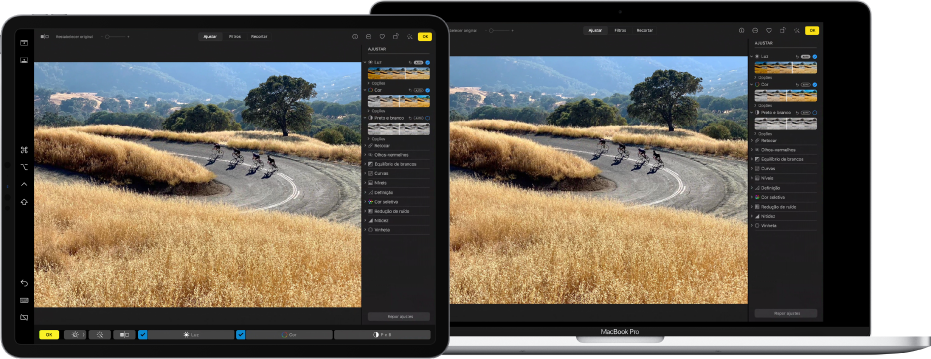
[(598, 180), (197, 184)]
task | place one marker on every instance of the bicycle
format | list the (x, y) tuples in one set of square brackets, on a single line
[(271, 163), (659, 160), (238, 158), (643, 158), (257, 162), (621, 154), (601, 148), (217, 152)]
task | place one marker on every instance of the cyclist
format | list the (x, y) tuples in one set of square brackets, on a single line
[(656, 157), (216, 148), (256, 159), (621, 148), (643, 153), (237, 155), (602, 144), (271, 161)]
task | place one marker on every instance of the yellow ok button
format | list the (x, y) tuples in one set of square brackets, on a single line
[(48, 334), (812, 30), (424, 36)]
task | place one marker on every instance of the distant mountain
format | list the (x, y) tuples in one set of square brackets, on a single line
[(186, 81), (594, 76)]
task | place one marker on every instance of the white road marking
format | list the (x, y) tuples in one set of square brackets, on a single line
[(294, 191), (679, 190)]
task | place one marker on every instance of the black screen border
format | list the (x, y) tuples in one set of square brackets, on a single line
[(241, 349), (846, 269)]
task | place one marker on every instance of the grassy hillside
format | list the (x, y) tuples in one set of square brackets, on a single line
[(682, 140), (189, 81), (594, 75), (113, 159), (102, 247), (294, 144), (500, 155), (510, 245)]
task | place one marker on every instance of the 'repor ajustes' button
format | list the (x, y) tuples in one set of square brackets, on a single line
[(785, 313)]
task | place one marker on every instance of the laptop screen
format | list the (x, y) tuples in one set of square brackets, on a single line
[(609, 175)]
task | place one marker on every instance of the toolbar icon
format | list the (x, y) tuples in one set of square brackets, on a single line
[(755, 30), (24, 60), (355, 36)]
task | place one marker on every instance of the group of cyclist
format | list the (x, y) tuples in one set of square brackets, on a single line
[(238, 158), (622, 152)]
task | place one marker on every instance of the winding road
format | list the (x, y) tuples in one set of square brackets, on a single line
[(302, 186), (689, 181)]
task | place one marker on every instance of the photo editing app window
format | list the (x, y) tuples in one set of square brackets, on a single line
[(635, 173), (226, 185)]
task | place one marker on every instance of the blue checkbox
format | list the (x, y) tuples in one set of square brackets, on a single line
[(143, 335), (240, 335)]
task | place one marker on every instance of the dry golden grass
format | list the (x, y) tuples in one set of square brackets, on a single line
[(500, 155), (58, 98), (113, 159), (472, 90), (680, 139), (103, 247), (294, 144), (509, 245)]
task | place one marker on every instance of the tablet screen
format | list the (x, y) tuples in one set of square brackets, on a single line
[(226, 185)]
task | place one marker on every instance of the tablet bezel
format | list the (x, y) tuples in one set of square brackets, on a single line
[(240, 349)]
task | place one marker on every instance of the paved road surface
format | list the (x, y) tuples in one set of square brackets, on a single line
[(303, 186), (688, 181)]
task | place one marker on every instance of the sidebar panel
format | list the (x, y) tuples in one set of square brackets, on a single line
[(786, 122), (398, 178), (23, 197)]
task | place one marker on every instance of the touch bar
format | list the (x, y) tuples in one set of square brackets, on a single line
[(191, 335), (289, 334), (382, 334)]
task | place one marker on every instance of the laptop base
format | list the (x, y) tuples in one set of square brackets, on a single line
[(685, 345)]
